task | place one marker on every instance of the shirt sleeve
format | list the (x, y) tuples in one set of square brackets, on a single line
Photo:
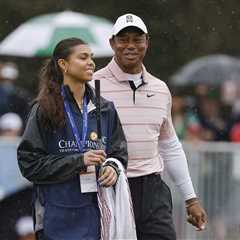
[(176, 165), (36, 163), (167, 129), (173, 155)]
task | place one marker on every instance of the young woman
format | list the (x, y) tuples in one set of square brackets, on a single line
[(59, 151)]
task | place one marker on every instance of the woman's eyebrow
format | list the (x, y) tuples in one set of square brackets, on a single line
[(86, 54)]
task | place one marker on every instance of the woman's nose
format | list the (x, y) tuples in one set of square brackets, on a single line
[(92, 63)]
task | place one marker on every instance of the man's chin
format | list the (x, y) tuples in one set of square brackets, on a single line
[(131, 60), (128, 61), (131, 64)]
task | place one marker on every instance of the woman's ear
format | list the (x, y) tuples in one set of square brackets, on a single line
[(62, 64)]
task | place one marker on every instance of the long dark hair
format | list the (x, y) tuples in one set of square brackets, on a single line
[(51, 79)]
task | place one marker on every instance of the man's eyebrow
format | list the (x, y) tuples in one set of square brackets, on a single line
[(122, 35), (137, 34)]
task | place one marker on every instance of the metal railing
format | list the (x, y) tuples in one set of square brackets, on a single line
[(11, 179), (215, 172)]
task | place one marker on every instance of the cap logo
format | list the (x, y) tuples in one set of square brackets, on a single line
[(129, 18)]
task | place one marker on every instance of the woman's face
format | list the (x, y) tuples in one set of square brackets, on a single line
[(80, 65)]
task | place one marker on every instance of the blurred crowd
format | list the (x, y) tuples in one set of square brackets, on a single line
[(208, 113), (200, 113), (14, 106), (14, 101)]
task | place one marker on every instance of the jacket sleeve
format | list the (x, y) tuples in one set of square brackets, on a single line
[(117, 147), (38, 165)]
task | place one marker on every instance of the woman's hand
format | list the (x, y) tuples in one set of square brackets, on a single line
[(108, 176), (94, 157)]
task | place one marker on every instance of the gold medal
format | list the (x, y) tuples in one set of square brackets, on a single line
[(93, 136)]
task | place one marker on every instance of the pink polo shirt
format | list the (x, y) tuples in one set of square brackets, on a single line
[(144, 122)]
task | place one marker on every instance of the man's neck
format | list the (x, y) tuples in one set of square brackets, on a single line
[(131, 69)]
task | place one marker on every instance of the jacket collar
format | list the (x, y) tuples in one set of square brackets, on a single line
[(122, 76), (91, 98), (69, 93)]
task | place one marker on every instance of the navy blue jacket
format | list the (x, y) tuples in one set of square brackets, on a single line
[(51, 160)]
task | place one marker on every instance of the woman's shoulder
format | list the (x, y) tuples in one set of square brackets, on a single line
[(107, 104), (35, 112)]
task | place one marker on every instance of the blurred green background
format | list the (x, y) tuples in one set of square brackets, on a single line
[(180, 31)]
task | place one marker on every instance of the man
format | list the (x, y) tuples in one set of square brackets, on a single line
[(144, 106)]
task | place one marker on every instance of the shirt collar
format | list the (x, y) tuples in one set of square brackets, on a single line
[(122, 76)]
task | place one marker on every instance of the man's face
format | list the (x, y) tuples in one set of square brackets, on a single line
[(130, 46)]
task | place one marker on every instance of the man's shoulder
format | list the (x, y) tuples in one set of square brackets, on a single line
[(156, 82), (108, 80), (102, 73)]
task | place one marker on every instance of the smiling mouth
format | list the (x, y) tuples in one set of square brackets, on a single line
[(90, 70), (131, 56)]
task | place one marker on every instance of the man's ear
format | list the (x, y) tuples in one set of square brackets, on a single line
[(148, 40), (111, 42)]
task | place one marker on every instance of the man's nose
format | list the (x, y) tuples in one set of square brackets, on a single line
[(130, 44)]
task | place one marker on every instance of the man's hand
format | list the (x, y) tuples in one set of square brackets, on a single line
[(108, 177), (94, 157), (196, 214)]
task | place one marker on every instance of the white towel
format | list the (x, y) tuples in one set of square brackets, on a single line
[(117, 218)]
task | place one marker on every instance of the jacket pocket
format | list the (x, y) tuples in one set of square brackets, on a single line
[(61, 223)]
